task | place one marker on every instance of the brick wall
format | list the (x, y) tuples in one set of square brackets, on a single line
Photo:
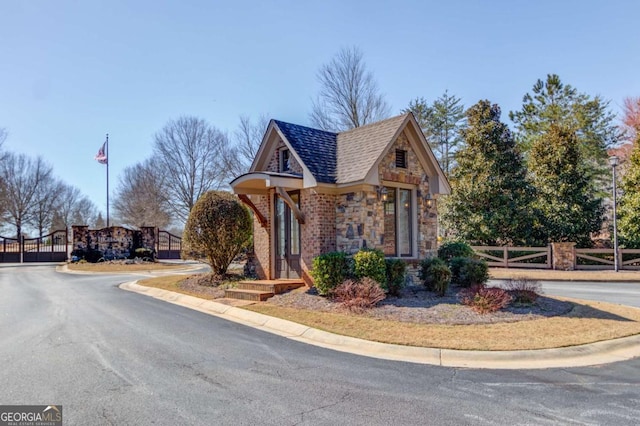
[(318, 233), (274, 162), (260, 260)]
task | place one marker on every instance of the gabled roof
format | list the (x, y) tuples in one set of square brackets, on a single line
[(346, 158), (316, 148), (360, 148)]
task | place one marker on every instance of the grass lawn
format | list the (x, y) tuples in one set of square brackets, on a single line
[(588, 322)]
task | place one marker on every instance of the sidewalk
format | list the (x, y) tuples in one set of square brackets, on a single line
[(575, 356), (551, 275)]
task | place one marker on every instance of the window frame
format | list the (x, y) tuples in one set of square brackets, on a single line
[(412, 221), (285, 165)]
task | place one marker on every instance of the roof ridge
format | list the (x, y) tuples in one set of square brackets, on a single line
[(375, 123), (306, 127)]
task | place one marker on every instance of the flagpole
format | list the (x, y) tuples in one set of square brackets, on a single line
[(107, 153)]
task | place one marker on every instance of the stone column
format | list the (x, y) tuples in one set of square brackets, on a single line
[(564, 256)]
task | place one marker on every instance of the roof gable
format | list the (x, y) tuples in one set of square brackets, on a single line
[(315, 148), (359, 149)]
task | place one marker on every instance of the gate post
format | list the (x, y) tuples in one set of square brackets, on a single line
[(564, 256), (21, 248)]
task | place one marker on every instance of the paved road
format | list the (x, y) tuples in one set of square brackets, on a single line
[(114, 357)]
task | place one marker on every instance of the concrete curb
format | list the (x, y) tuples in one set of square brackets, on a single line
[(64, 269), (575, 356)]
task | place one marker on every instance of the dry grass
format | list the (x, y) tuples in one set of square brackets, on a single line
[(586, 323), (172, 283), (122, 267)]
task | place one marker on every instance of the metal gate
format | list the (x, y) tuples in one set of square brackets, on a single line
[(49, 248), (168, 246)]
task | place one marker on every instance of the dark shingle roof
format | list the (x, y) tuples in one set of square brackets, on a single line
[(316, 148)]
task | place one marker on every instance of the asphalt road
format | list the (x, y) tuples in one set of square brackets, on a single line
[(114, 357)]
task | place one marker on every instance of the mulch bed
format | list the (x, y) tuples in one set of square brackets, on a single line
[(417, 305)]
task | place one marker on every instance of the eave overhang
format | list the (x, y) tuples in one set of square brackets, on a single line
[(260, 182)]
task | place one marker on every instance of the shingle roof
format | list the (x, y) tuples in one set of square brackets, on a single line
[(316, 148), (341, 157), (359, 148)]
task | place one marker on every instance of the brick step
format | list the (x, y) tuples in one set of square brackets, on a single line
[(252, 295), (273, 286)]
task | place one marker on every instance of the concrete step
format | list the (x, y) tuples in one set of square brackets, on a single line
[(252, 295)]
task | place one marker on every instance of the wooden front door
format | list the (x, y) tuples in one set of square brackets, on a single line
[(287, 239)]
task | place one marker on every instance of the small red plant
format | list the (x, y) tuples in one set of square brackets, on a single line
[(359, 296), (483, 299)]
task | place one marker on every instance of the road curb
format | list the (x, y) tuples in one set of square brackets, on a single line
[(574, 356)]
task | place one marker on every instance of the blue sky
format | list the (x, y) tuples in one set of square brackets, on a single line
[(71, 71)]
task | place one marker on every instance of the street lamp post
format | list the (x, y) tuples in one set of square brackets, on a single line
[(613, 161)]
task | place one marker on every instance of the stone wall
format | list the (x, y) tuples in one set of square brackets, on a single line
[(360, 215), (115, 241)]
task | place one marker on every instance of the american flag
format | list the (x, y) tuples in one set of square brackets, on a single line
[(101, 156)]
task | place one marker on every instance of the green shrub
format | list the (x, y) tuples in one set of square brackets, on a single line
[(451, 249), (396, 272), (218, 228), (360, 295), (143, 253), (484, 299), (467, 272), (370, 263), (329, 271), (435, 274)]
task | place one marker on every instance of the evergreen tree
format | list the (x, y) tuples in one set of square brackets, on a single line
[(566, 192), (441, 123), (629, 210), (554, 103), (490, 195)]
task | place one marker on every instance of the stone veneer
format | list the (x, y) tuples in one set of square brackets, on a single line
[(349, 221), (360, 215), (116, 239), (564, 256)]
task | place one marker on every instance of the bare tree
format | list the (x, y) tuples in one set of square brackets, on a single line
[(139, 199), (22, 178), (72, 208), (44, 203), (349, 96), (248, 137), (194, 157)]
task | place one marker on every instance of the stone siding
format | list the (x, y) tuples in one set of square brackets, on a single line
[(360, 215), (564, 256), (115, 241)]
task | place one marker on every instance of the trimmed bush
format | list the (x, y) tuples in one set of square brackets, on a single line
[(396, 273), (144, 253), (359, 296), (218, 228), (451, 249), (483, 299), (435, 274), (329, 271), (523, 291), (467, 272), (370, 263)]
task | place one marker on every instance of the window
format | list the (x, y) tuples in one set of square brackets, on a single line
[(401, 158), (284, 160), (398, 223)]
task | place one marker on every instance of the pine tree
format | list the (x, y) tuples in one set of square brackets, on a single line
[(490, 201), (629, 210), (441, 123), (554, 103), (566, 192)]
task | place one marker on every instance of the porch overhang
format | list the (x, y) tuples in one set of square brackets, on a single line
[(260, 182)]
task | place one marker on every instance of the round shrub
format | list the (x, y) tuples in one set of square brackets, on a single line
[(435, 274), (218, 227), (451, 249), (329, 271), (467, 272), (396, 272), (370, 263)]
